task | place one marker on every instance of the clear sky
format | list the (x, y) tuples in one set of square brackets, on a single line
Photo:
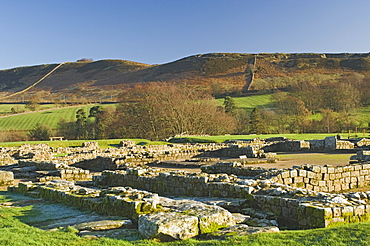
[(160, 31)]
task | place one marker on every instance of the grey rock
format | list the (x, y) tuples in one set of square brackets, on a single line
[(168, 226), (104, 225)]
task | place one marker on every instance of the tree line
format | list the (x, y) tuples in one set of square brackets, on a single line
[(161, 110)]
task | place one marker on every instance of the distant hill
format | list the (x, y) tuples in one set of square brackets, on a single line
[(218, 73)]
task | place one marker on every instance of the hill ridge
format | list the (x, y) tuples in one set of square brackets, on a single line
[(218, 73)]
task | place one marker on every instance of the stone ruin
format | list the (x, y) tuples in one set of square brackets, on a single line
[(227, 195)]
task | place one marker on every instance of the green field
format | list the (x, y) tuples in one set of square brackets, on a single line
[(251, 102), (50, 117), (15, 230), (6, 109)]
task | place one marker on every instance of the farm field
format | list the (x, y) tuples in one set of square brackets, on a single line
[(50, 117), (6, 109)]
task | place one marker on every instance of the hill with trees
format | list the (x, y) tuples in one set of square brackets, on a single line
[(220, 74)]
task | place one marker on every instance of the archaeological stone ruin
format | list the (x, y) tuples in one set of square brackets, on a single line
[(152, 188)]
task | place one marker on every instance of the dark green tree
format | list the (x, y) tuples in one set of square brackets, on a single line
[(81, 122), (40, 132), (256, 124), (229, 105)]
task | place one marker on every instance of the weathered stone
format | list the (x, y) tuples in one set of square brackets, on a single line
[(104, 225), (168, 226)]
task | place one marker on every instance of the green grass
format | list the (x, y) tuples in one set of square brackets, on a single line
[(251, 102), (14, 231), (7, 108), (50, 117)]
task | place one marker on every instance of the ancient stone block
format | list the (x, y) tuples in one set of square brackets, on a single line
[(168, 226), (324, 170), (364, 172), (311, 175), (302, 173), (293, 173), (345, 186), (297, 179), (331, 169), (325, 176), (322, 183), (355, 173)]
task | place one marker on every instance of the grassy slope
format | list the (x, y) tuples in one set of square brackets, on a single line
[(265, 101), (29, 120), (251, 102), (13, 231), (6, 109)]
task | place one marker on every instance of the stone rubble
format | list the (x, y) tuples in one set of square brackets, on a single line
[(225, 198)]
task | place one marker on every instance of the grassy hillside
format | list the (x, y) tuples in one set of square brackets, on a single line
[(50, 117), (218, 73), (6, 109)]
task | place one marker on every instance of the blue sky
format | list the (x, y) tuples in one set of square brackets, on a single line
[(160, 31)]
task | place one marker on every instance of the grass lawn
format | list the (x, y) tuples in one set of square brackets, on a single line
[(14, 231)]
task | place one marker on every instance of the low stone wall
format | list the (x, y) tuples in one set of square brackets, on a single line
[(155, 217), (235, 168), (363, 142), (234, 151), (312, 177), (293, 207), (42, 166), (76, 174), (299, 214), (288, 146), (330, 144), (120, 201), (362, 156), (326, 178), (58, 171)]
